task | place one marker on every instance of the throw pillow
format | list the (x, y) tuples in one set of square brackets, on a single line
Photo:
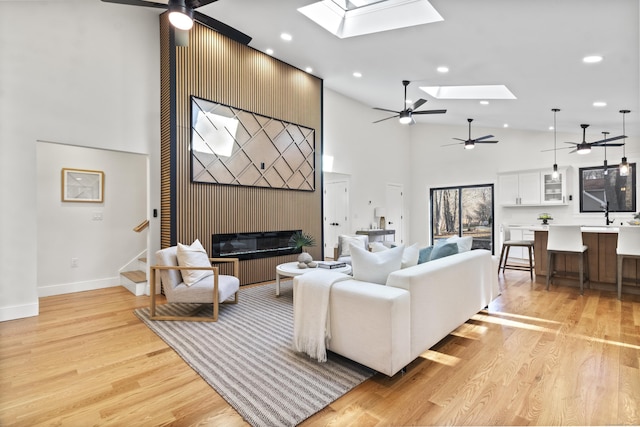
[(377, 247), (464, 243), (345, 241), (193, 255), (425, 254), (375, 267), (441, 251), (410, 256)]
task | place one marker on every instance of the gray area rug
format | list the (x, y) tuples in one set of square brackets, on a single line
[(247, 358)]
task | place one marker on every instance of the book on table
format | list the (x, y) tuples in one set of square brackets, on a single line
[(331, 264)]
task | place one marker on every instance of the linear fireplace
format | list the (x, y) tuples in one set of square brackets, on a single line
[(253, 245)]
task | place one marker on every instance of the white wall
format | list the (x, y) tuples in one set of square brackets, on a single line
[(372, 154), (99, 236), (78, 72)]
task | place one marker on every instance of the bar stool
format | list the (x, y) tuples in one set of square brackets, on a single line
[(628, 247), (504, 254), (567, 239)]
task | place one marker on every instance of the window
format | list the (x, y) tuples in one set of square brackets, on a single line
[(600, 188), (463, 211)]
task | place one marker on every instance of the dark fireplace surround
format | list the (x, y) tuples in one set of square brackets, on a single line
[(253, 245)]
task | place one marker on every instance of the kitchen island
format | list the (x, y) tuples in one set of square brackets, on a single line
[(602, 260)]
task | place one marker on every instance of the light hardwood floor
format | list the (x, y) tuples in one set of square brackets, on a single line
[(533, 358)]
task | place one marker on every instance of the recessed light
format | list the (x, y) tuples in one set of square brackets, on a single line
[(592, 59), (550, 127), (599, 104), (309, 70), (357, 74), (286, 37), (408, 102), (506, 125), (443, 69), (269, 51), (484, 102)]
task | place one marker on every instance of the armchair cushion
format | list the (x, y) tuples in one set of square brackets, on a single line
[(344, 242), (193, 255)]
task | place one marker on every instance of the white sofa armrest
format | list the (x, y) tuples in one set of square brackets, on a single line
[(370, 324)]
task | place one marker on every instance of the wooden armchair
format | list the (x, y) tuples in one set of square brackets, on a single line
[(214, 289)]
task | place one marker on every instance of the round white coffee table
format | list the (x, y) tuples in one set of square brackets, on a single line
[(290, 269)]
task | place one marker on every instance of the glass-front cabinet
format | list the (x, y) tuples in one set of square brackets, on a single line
[(554, 190)]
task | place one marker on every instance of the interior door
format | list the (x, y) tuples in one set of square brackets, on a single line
[(394, 208), (336, 214)]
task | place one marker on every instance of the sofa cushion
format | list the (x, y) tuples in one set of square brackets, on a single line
[(424, 254), (464, 243), (193, 255), (374, 267), (377, 247), (443, 250), (410, 256), (345, 241)]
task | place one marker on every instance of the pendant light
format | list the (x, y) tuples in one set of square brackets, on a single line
[(555, 175), (605, 168), (624, 165)]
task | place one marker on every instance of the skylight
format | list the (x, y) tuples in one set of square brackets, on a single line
[(469, 92), (349, 18)]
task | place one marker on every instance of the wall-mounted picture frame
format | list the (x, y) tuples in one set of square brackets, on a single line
[(81, 185)]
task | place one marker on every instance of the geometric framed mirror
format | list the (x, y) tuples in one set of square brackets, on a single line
[(230, 146)]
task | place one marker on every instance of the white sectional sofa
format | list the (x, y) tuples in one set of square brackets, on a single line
[(387, 327)]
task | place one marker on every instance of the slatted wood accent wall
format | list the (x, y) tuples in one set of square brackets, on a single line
[(218, 69)]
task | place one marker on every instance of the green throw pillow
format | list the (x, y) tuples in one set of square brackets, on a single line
[(425, 254), (441, 251)]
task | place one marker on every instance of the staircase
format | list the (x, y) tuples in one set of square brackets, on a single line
[(133, 276)]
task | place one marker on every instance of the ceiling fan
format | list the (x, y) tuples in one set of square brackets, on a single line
[(406, 115), (182, 15), (470, 143), (584, 147)]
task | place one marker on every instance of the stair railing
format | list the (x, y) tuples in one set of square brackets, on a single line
[(144, 224)]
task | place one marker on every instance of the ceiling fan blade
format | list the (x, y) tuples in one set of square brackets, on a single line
[(455, 143), (385, 109), (429, 112), (485, 142), (483, 137), (222, 28), (194, 4), (418, 103), (558, 149), (573, 151), (617, 144), (460, 139), (386, 118), (143, 3), (606, 140), (574, 143)]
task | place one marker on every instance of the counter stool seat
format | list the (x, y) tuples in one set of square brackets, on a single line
[(628, 247), (567, 239), (504, 254)]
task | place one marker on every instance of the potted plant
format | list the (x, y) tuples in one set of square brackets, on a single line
[(300, 240), (636, 219), (545, 217)]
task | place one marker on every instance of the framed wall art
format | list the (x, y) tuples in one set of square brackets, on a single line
[(81, 185)]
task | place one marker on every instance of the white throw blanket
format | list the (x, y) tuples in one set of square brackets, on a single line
[(311, 321)]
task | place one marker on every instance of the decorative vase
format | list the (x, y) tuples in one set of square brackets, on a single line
[(545, 222), (302, 265), (305, 257), (312, 264)]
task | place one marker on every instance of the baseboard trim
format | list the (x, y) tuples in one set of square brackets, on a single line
[(19, 311), (68, 288)]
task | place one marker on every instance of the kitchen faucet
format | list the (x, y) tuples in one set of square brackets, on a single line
[(606, 214)]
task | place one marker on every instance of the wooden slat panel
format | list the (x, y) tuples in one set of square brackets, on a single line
[(221, 70)]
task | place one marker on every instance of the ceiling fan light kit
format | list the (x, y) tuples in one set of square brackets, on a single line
[(180, 15)]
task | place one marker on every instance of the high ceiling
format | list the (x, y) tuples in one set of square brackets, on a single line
[(535, 48)]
